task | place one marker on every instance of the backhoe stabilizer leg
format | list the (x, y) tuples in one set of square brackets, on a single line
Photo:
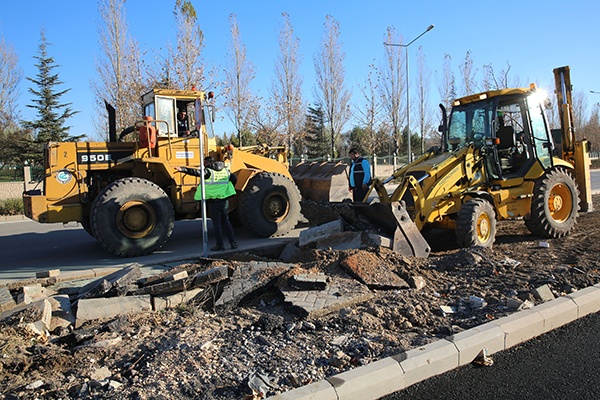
[(407, 239)]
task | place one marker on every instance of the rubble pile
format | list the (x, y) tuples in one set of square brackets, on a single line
[(248, 327)]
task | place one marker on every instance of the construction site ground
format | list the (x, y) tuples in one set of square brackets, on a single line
[(260, 344)]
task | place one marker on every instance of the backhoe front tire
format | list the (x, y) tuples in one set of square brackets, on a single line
[(555, 205), (132, 217), (476, 224), (270, 205)]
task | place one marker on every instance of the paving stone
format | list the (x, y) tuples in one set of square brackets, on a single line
[(48, 274), (116, 283), (62, 315), (250, 277), (103, 308), (341, 241), (7, 302), (308, 281), (170, 301), (371, 271), (312, 235), (543, 293), (340, 293)]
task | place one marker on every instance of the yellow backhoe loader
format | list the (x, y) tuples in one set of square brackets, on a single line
[(127, 194), (498, 161)]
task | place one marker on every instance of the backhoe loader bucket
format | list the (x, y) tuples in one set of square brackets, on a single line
[(393, 219), (323, 182)]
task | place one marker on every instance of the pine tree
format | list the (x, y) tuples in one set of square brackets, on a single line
[(316, 142), (51, 113)]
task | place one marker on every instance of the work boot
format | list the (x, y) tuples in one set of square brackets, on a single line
[(233, 245), (217, 248)]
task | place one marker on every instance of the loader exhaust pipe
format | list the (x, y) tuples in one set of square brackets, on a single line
[(112, 122)]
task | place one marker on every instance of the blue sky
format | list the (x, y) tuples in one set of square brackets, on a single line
[(533, 36)]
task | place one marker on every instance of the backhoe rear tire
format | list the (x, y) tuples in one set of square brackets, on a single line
[(555, 205), (270, 205), (132, 217), (476, 224)]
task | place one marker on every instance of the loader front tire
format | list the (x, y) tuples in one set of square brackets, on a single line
[(476, 224), (269, 205), (132, 217), (555, 205)]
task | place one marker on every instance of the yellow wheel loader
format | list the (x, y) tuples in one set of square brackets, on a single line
[(498, 161), (127, 193)]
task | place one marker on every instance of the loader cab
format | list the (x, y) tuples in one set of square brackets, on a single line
[(507, 126)]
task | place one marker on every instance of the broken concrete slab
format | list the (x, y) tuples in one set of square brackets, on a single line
[(248, 278), (341, 241), (175, 277), (543, 293), (340, 293), (210, 276), (380, 240), (103, 308), (7, 302), (62, 315), (170, 301), (371, 271), (165, 287), (190, 268), (308, 281), (117, 283), (312, 235)]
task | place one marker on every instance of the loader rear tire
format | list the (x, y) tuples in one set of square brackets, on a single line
[(270, 205), (132, 217), (555, 205), (476, 224)]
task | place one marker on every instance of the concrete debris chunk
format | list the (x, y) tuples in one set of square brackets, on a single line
[(518, 305), (290, 252), (190, 268), (417, 282), (372, 271), (36, 316), (341, 241), (340, 293), (33, 293), (165, 287), (100, 374), (115, 284), (173, 300), (380, 240), (7, 302), (308, 281), (543, 293), (314, 234), (250, 277), (62, 315), (175, 277)]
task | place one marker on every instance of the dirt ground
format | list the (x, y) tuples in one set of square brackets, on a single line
[(262, 347)]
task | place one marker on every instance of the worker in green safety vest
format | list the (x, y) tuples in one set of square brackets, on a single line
[(219, 186)]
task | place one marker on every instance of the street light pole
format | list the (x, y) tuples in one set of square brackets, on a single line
[(430, 27)]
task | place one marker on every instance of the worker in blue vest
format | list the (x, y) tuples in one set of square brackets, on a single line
[(360, 175), (220, 185)]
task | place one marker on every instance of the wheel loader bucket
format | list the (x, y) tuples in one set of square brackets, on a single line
[(322, 182), (393, 219)]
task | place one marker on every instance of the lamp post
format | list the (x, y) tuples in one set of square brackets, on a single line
[(430, 27)]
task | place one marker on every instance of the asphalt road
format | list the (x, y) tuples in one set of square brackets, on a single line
[(562, 364), (27, 246)]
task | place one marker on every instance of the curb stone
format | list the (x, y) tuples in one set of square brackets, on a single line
[(398, 372)]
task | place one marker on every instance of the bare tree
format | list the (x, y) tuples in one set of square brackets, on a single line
[(370, 113), (187, 63), (467, 72), (118, 68), (393, 85), (331, 89), (424, 110), (580, 110), (10, 77), (239, 101), (286, 91)]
